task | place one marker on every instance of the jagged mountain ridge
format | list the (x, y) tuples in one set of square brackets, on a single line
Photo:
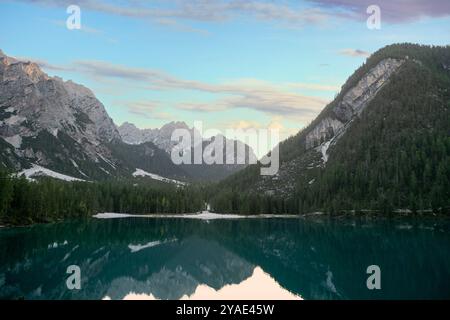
[(162, 138), (62, 126)]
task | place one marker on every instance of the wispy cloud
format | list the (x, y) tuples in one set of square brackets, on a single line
[(270, 100), (275, 123), (179, 14), (314, 86), (144, 108), (84, 27), (140, 107), (45, 64), (182, 27), (354, 53), (172, 12), (399, 11), (254, 94)]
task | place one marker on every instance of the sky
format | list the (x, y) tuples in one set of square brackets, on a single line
[(229, 63)]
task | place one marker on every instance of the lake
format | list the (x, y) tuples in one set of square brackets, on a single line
[(280, 258)]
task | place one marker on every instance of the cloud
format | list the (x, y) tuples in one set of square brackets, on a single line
[(399, 11), (146, 108), (45, 64), (177, 14), (313, 86), (254, 94), (354, 53), (203, 106), (242, 124), (84, 27), (171, 12), (276, 102), (140, 107), (177, 26), (273, 101), (275, 123)]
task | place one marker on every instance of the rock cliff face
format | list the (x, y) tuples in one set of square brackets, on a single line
[(353, 102), (32, 102)]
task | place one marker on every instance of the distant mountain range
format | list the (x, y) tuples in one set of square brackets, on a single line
[(160, 137), (62, 127)]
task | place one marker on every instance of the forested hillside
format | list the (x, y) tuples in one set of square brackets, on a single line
[(50, 200), (395, 154)]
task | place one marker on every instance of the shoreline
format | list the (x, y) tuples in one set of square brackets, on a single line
[(206, 215)]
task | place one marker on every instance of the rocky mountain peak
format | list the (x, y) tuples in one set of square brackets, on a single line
[(127, 124), (31, 102), (173, 125), (33, 72)]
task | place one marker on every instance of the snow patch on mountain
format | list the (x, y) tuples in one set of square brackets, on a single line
[(323, 149), (38, 171), (15, 141), (142, 173)]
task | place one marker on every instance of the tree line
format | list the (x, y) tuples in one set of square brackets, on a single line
[(48, 200)]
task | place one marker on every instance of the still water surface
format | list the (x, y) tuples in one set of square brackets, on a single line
[(159, 258)]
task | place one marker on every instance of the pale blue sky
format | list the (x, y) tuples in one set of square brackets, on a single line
[(230, 63)]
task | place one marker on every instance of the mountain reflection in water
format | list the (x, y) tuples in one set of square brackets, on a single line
[(141, 258), (259, 286)]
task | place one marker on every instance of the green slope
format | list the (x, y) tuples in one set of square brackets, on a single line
[(396, 154)]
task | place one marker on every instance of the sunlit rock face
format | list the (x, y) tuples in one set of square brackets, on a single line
[(325, 130), (38, 112), (353, 102), (34, 102)]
